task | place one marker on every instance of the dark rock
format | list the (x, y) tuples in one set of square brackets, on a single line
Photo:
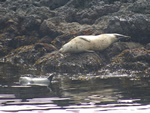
[(148, 46), (118, 47), (87, 11), (89, 15), (17, 32), (4, 42), (28, 55), (4, 50), (30, 24), (140, 6), (49, 28), (45, 39), (53, 4), (37, 12), (27, 8), (2, 0), (131, 60), (44, 46), (128, 1), (19, 41), (134, 25), (126, 21), (70, 63), (133, 55), (9, 73)]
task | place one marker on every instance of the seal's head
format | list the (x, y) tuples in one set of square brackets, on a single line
[(66, 48), (120, 36), (61, 50)]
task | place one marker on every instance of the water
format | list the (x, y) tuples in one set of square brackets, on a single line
[(74, 94)]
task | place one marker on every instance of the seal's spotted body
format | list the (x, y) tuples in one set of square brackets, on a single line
[(90, 43)]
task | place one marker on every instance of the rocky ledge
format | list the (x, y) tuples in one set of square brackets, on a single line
[(32, 32)]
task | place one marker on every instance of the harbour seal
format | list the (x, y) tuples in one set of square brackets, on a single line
[(91, 43), (35, 81)]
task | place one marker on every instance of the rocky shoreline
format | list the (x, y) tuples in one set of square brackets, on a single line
[(32, 32)]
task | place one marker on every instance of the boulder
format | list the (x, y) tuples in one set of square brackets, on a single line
[(70, 63), (28, 55), (131, 61)]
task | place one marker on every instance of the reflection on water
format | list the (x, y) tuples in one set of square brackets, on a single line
[(73, 94)]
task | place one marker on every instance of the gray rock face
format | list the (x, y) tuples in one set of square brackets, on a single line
[(37, 28), (135, 25)]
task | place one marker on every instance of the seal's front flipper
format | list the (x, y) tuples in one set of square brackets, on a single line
[(84, 39)]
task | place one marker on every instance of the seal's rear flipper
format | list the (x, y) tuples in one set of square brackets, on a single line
[(50, 77)]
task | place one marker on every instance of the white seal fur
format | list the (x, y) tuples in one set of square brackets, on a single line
[(90, 43), (35, 81)]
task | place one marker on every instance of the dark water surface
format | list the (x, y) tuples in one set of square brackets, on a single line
[(74, 94)]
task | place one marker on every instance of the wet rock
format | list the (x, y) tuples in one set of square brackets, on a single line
[(87, 11), (53, 4), (19, 41), (118, 47), (135, 25), (4, 50), (131, 60), (45, 39), (30, 24), (91, 14), (38, 12), (49, 28), (133, 20), (28, 55), (16, 32), (147, 46), (45, 46), (61, 28), (70, 63), (138, 54), (25, 8), (140, 6), (9, 73)]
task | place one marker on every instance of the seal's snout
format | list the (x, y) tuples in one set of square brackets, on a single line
[(120, 36)]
